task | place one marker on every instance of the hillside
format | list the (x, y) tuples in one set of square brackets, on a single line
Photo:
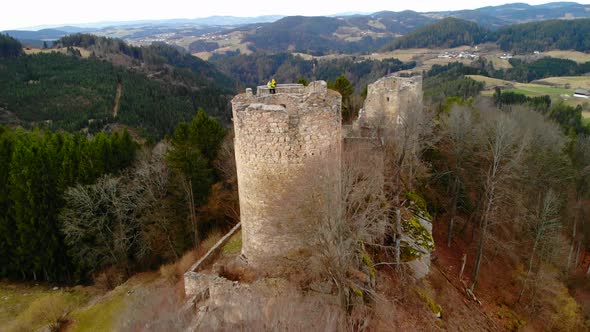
[(446, 33), (546, 35), (9, 47), (159, 87), (320, 35), (65, 92)]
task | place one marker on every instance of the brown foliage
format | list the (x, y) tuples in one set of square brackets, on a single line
[(109, 278)]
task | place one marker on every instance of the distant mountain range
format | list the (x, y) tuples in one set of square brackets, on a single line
[(318, 34)]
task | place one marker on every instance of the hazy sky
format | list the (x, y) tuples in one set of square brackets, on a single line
[(27, 13)]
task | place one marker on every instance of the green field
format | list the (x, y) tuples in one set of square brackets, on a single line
[(573, 81), (529, 89), (579, 57)]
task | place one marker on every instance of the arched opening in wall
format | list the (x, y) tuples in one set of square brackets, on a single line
[(388, 99)]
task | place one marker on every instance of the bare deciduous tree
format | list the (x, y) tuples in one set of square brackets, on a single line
[(545, 226), (457, 130), (502, 145)]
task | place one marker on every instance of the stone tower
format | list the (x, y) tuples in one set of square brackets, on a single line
[(288, 155), (387, 100)]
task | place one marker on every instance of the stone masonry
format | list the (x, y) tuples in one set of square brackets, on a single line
[(387, 99), (288, 155)]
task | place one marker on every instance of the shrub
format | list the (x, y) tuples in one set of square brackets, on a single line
[(49, 311), (109, 278)]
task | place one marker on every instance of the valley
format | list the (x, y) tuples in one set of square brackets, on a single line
[(411, 170)]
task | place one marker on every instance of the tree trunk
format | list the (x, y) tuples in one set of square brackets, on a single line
[(577, 258), (463, 262), (453, 211), (531, 258), (398, 239), (478, 259), (569, 256), (482, 236), (192, 209)]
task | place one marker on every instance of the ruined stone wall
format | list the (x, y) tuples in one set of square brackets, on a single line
[(281, 88), (387, 99), (288, 156)]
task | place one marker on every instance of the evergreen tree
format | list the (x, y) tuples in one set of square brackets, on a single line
[(343, 86)]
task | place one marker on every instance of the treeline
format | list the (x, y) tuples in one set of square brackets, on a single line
[(9, 47), (67, 92), (447, 33), (256, 69), (519, 38), (36, 168), (154, 211), (156, 55), (522, 71), (311, 35), (568, 117), (511, 181), (75, 209), (446, 81), (545, 35)]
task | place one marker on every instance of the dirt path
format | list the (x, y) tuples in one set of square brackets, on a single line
[(117, 99)]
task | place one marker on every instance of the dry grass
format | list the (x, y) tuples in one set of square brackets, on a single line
[(571, 55), (573, 81), (49, 312), (415, 53), (499, 63), (488, 81), (173, 272), (84, 52)]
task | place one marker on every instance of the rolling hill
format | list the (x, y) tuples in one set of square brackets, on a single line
[(151, 89), (446, 33)]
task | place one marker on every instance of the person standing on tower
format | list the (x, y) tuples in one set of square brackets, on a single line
[(272, 86)]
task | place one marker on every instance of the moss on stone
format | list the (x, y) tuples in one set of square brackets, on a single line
[(429, 301), (234, 245), (368, 261)]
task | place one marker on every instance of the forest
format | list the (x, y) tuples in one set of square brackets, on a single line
[(73, 206), (67, 92), (255, 69), (518, 38), (37, 168), (9, 47), (447, 33)]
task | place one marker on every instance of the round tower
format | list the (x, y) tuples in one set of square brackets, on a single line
[(288, 158)]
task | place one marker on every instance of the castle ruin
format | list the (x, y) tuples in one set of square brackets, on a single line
[(290, 147), (387, 100), (288, 157)]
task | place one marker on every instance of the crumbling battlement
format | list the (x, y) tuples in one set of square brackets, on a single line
[(387, 100), (288, 149)]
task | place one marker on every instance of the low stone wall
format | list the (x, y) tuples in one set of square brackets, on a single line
[(263, 90), (215, 249)]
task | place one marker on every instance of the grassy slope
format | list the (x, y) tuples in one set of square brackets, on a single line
[(529, 89), (574, 81), (571, 55), (103, 313), (15, 300)]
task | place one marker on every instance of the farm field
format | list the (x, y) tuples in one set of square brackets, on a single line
[(571, 55), (529, 89), (84, 52), (574, 81)]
